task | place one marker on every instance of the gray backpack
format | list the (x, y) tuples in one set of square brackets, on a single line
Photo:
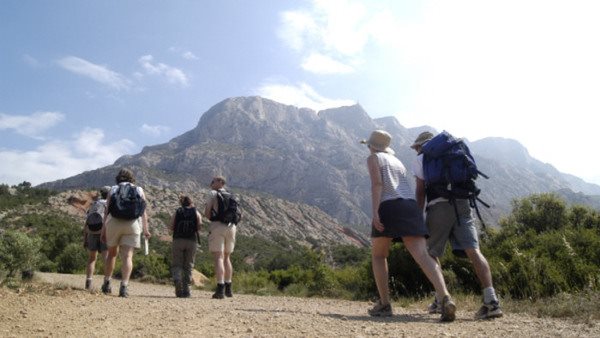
[(95, 215)]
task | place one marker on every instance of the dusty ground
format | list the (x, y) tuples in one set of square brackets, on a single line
[(152, 310)]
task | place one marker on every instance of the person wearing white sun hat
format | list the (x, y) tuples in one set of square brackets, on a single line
[(395, 216)]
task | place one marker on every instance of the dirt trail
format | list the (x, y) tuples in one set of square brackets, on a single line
[(152, 310)]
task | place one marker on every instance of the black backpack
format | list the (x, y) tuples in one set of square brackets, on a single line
[(95, 215), (186, 223), (126, 202), (228, 211), (450, 171)]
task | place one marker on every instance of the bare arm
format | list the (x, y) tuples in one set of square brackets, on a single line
[(208, 209), (199, 219), (376, 189), (103, 232), (145, 229)]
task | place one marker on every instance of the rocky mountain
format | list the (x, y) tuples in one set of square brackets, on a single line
[(314, 158)]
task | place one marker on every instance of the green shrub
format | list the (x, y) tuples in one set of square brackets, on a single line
[(18, 252), (72, 259), (151, 265)]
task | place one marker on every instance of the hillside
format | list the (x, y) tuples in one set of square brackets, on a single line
[(152, 310)]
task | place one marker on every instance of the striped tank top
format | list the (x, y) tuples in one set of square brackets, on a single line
[(393, 176)]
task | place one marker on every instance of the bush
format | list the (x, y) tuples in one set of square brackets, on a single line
[(18, 252), (73, 259)]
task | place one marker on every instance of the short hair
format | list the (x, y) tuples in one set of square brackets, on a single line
[(220, 179), (125, 175), (185, 200)]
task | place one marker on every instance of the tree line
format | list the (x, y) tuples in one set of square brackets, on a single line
[(543, 248)]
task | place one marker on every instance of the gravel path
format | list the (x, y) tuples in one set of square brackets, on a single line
[(153, 311)]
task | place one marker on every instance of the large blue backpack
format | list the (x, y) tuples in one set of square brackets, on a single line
[(450, 170)]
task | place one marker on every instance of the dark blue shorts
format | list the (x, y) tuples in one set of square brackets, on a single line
[(400, 218)]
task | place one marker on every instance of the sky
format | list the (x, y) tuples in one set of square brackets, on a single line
[(85, 82)]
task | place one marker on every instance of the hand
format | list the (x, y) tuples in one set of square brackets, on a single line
[(376, 223), (147, 234), (103, 237)]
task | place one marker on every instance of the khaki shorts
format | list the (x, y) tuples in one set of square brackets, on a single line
[(123, 232), (221, 238), (443, 227)]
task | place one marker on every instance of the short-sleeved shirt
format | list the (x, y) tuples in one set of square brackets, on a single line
[(212, 200)]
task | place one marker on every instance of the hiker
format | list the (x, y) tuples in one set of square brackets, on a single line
[(221, 238), (455, 222), (185, 226), (396, 217), (91, 234), (125, 220)]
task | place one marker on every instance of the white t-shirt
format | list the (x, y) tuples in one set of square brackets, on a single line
[(417, 169)]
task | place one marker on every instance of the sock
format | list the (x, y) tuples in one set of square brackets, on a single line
[(124, 283), (88, 278), (228, 281), (220, 282), (489, 295), (107, 279)]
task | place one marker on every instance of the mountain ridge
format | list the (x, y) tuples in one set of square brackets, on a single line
[(315, 158)]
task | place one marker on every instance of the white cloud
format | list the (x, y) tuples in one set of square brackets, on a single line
[(323, 64), (154, 130), (172, 74), (189, 56), (32, 125), (95, 72), (301, 95), (60, 159), (333, 32)]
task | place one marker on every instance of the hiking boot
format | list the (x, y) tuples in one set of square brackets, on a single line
[(489, 311), (185, 291), (380, 310), (106, 289), (123, 291), (448, 309), (219, 293), (178, 288), (228, 290), (434, 307), (88, 284)]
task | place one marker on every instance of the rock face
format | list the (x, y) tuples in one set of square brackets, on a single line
[(313, 158)]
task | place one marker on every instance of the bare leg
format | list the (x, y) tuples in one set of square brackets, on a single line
[(418, 250), (227, 267), (481, 266), (219, 266), (379, 253), (127, 263), (110, 261), (91, 264)]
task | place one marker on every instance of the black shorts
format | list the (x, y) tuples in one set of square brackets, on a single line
[(400, 218)]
